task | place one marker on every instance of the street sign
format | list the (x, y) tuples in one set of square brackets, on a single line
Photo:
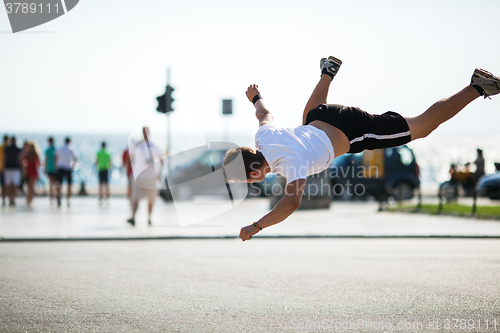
[(227, 106)]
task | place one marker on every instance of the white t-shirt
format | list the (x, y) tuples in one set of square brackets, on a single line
[(140, 157), (65, 158), (294, 153)]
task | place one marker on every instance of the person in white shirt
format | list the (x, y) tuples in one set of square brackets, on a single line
[(329, 131), (147, 165), (64, 161)]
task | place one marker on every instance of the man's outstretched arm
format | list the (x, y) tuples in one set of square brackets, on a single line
[(261, 112), (284, 208)]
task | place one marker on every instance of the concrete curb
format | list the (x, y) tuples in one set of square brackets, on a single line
[(236, 237)]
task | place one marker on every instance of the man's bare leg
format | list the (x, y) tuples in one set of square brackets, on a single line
[(101, 192), (4, 194), (52, 188), (58, 193), (329, 68), (150, 210), (439, 112), (68, 194), (318, 96), (12, 189), (135, 205)]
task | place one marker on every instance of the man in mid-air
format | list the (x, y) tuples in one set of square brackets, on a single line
[(329, 131)]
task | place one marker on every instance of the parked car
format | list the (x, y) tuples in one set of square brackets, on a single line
[(194, 172), (381, 173), (316, 191), (489, 185)]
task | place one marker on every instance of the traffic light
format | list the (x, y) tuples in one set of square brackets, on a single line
[(165, 101), (169, 100), (161, 103)]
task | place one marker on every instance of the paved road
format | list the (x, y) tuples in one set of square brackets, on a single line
[(264, 285), (86, 219)]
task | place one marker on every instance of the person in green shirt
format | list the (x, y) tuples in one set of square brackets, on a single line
[(50, 168), (103, 166)]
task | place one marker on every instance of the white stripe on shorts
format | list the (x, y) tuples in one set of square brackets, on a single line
[(380, 137)]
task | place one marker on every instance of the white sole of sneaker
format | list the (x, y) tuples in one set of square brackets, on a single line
[(485, 74), (337, 61)]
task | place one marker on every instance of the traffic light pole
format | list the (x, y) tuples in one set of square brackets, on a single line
[(168, 126)]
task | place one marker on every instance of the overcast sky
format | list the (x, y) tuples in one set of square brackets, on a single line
[(99, 67)]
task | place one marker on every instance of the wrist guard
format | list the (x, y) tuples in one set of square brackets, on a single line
[(256, 98)]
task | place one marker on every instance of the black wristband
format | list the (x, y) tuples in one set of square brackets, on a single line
[(255, 99)]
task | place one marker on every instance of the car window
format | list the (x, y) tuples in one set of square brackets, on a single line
[(405, 155), (205, 160), (218, 157), (400, 155), (187, 158), (388, 152)]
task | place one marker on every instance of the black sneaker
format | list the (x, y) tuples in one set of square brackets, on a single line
[(58, 201), (489, 83), (330, 66), (131, 221)]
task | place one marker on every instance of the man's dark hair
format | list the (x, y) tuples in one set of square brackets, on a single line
[(5, 138), (67, 140), (252, 161), (103, 145)]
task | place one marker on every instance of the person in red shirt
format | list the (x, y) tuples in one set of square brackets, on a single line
[(31, 163), (127, 167)]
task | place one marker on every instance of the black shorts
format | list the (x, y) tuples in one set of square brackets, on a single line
[(2, 180), (64, 173), (103, 177), (52, 174), (364, 130)]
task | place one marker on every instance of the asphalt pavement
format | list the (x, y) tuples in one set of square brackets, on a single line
[(263, 285)]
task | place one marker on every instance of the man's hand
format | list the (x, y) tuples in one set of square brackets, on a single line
[(261, 112), (247, 232), (252, 91), (285, 207)]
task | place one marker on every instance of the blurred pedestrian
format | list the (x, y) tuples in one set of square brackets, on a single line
[(479, 162), (103, 164), (127, 169), (65, 159), (12, 171), (4, 145), (24, 152), (50, 167), (144, 156), (31, 163)]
